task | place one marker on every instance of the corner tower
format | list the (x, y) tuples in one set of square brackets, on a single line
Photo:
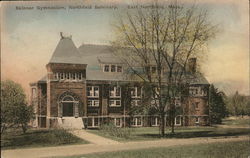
[(66, 83)]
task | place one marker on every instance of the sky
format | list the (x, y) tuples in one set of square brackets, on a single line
[(29, 37)]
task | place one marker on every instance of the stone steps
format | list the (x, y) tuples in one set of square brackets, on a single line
[(70, 123)]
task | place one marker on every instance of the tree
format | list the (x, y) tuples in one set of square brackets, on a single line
[(161, 39), (238, 104), (217, 105), (14, 109)]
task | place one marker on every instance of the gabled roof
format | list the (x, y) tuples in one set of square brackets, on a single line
[(66, 52), (95, 56)]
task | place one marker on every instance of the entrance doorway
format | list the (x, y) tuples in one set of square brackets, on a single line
[(68, 109), (68, 105)]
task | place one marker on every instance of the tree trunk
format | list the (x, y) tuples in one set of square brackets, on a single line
[(24, 128), (162, 125), (172, 119), (172, 125), (3, 127)]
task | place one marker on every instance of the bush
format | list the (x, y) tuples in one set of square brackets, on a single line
[(14, 138), (112, 130)]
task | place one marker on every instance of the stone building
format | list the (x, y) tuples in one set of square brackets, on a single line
[(87, 86)]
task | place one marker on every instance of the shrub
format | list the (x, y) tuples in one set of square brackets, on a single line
[(112, 130)]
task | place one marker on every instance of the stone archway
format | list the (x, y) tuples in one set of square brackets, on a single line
[(68, 105)]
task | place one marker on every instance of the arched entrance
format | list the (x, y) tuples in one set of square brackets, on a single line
[(68, 105)]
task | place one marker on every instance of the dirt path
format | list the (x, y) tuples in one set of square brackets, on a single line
[(94, 148), (92, 138)]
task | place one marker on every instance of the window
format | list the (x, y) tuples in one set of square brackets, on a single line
[(115, 91), (89, 102), (119, 68), (135, 102), (106, 68), (113, 68), (93, 103), (178, 120), (118, 103), (96, 122), (196, 105), (56, 76), (33, 93), (117, 122), (197, 120), (67, 76), (61, 76), (114, 103), (155, 121), (193, 91), (92, 91), (137, 121), (93, 122), (177, 101), (135, 92), (79, 76), (155, 102), (73, 76), (153, 69)]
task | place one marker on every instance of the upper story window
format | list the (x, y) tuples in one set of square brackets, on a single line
[(73, 76), (112, 68), (106, 68), (68, 76), (115, 91), (92, 91), (197, 91), (119, 68), (135, 92)]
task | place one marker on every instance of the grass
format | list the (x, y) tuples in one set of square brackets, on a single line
[(237, 121), (151, 133), (238, 149), (14, 138)]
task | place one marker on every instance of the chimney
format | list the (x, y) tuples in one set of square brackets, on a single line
[(61, 34), (191, 66)]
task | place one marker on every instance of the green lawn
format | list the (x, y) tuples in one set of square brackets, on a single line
[(14, 138), (215, 150), (237, 121), (151, 133)]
